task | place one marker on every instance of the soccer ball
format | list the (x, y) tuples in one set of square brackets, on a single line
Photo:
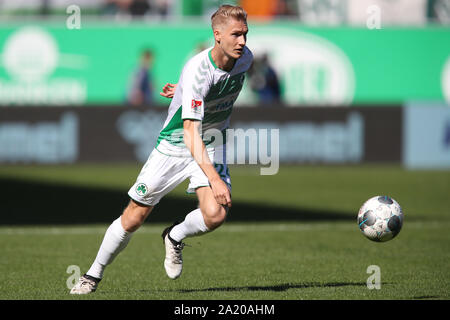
[(380, 218)]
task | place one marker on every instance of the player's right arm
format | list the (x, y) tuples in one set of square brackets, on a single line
[(168, 90)]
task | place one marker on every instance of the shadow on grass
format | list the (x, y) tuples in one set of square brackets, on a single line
[(32, 203), (278, 287)]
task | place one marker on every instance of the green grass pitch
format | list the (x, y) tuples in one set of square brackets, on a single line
[(256, 259)]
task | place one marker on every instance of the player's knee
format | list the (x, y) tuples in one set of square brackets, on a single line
[(131, 223), (214, 216), (134, 216)]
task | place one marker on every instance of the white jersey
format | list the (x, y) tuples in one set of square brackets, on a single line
[(206, 93)]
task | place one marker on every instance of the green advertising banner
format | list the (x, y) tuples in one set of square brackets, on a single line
[(47, 63)]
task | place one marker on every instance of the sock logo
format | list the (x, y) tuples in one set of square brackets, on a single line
[(141, 189)]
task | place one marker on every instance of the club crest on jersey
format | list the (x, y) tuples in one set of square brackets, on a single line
[(196, 105), (141, 189)]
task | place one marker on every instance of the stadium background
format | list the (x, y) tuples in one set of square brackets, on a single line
[(359, 89)]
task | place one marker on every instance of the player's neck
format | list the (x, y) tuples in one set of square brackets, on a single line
[(221, 60)]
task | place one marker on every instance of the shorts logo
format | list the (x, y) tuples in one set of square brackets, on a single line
[(141, 189), (196, 104)]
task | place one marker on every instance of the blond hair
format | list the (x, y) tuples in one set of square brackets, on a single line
[(225, 12)]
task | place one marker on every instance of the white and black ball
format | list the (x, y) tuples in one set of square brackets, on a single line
[(380, 218)]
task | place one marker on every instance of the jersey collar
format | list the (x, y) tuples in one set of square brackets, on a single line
[(216, 67)]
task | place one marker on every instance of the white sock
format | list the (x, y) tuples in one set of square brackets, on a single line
[(115, 240), (192, 225)]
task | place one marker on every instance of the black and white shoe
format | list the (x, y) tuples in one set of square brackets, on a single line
[(86, 284), (173, 263)]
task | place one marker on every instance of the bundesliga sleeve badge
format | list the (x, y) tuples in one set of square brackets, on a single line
[(196, 106)]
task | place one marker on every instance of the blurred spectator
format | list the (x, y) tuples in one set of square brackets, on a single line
[(138, 7), (260, 9), (162, 7), (323, 12), (134, 8), (45, 7), (141, 88), (287, 8), (439, 11), (113, 7), (264, 81)]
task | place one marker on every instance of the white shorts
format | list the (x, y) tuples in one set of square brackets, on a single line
[(162, 173)]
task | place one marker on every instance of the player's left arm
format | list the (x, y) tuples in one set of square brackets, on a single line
[(192, 113), (195, 144)]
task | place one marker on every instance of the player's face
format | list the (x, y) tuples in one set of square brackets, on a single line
[(233, 37)]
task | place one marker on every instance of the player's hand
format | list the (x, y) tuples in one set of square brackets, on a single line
[(168, 90), (221, 192)]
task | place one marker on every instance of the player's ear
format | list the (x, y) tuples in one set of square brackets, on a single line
[(217, 35)]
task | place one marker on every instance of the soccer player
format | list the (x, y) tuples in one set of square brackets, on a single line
[(202, 102)]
